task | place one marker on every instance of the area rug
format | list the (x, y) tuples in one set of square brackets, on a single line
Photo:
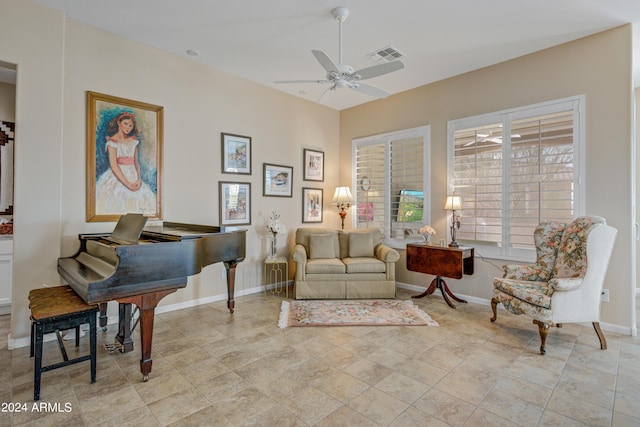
[(352, 313)]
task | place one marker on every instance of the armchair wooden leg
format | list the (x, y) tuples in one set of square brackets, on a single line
[(494, 304), (543, 328), (603, 340)]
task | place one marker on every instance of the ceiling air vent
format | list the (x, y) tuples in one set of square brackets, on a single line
[(386, 54)]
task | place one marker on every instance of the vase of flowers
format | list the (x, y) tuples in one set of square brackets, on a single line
[(275, 226), (426, 232)]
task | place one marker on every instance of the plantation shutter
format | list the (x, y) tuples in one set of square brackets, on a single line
[(515, 169), (541, 187), (390, 182), (477, 178), (407, 186), (370, 186)]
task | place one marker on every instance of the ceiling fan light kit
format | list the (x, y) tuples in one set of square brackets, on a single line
[(342, 75)]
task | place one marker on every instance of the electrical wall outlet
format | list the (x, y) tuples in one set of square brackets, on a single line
[(604, 295), (223, 273)]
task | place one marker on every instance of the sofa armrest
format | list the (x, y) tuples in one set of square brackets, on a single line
[(299, 256), (530, 272), (387, 254)]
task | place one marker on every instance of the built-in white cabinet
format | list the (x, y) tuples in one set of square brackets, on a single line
[(6, 261)]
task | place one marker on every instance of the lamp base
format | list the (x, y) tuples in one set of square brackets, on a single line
[(342, 214), (454, 245)]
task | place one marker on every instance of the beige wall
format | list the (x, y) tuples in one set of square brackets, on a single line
[(37, 49), (597, 66), (199, 103)]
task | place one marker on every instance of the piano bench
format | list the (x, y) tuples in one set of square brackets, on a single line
[(53, 310)]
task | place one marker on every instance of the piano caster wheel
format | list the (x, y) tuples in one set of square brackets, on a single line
[(145, 378)]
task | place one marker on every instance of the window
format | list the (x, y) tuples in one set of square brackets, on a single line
[(391, 182), (515, 169)]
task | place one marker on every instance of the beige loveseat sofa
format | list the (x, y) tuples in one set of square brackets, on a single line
[(343, 264)]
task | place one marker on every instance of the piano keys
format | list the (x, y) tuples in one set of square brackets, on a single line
[(144, 272)]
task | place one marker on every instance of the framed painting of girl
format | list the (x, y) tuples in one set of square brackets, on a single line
[(124, 158)]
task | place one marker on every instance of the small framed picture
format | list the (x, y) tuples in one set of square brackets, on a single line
[(277, 180), (311, 205), (313, 165), (365, 212), (235, 203), (236, 154)]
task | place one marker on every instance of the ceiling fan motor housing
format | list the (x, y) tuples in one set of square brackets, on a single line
[(340, 13)]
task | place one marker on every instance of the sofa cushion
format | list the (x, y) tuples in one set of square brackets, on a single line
[(343, 237), (325, 266), (364, 265), (302, 238), (360, 245), (321, 246)]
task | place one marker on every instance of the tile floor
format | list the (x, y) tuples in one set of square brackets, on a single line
[(216, 369)]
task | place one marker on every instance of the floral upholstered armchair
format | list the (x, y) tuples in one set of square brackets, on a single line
[(565, 283)]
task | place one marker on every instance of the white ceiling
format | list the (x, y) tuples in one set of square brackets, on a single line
[(264, 41)]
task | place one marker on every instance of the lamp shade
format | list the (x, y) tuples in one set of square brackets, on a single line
[(453, 203), (342, 195)]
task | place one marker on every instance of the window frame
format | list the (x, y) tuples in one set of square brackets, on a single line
[(423, 132), (503, 250)]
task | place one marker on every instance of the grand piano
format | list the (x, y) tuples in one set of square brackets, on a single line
[(143, 269)]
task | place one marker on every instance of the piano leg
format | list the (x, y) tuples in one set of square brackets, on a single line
[(146, 303), (231, 281), (124, 327), (103, 315)]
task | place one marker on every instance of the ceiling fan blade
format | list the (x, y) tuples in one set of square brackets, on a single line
[(325, 61), (302, 81), (369, 90), (378, 70)]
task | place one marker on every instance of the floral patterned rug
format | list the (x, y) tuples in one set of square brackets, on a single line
[(353, 313)]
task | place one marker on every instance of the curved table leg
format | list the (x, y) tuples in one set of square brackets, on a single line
[(439, 283), (446, 289), (431, 289)]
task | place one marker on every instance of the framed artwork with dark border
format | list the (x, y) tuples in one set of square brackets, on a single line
[(278, 181), (235, 203), (313, 165), (124, 158), (236, 154), (312, 204)]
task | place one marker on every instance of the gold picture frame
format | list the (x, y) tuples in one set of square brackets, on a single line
[(124, 158)]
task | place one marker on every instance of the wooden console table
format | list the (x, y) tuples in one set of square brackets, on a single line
[(441, 262)]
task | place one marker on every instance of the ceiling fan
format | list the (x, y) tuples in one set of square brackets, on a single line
[(342, 75)]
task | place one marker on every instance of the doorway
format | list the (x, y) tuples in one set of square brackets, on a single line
[(8, 73)]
